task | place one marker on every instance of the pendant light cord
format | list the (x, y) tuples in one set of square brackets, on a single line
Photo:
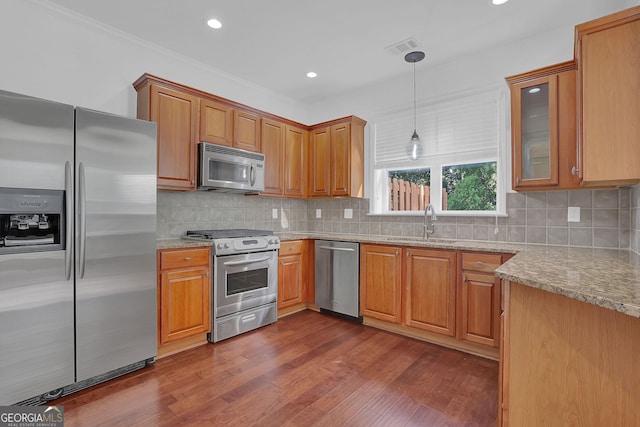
[(414, 96)]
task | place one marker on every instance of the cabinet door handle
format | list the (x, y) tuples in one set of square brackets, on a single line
[(574, 170), (464, 279), (517, 180), (408, 253), (397, 253)]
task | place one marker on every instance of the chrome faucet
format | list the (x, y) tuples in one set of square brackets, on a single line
[(429, 209)]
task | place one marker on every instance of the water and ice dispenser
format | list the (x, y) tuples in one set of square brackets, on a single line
[(31, 220)]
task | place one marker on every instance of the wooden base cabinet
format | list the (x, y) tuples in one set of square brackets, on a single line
[(567, 363), (184, 294), (479, 298), (430, 285), (381, 282), (294, 276)]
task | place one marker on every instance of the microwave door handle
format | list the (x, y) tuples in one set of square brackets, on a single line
[(248, 261), (252, 175)]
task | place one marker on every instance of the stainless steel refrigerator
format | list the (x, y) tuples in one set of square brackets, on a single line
[(77, 247)]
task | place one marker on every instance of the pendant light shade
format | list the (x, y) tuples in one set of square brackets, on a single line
[(414, 149)]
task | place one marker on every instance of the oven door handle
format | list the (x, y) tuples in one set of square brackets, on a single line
[(247, 261)]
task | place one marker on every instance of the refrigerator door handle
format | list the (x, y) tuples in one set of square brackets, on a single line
[(82, 217), (69, 214)]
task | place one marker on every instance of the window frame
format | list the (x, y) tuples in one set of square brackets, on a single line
[(378, 193)]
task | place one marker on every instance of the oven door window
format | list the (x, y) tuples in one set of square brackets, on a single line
[(227, 171), (245, 281)]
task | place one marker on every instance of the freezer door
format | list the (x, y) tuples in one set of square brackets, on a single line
[(36, 289), (116, 289)]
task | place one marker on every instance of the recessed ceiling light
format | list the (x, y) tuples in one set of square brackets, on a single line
[(312, 75), (214, 23), (498, 2), (534, 90)]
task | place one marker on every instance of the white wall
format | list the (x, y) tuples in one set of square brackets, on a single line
[(50, 53), (483, 69)]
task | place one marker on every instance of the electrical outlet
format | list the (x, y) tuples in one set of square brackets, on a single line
[(573, 214), (318, 213), (348, 213), (274, 213)]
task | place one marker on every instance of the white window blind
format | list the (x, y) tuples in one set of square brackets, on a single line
[(467, 124)]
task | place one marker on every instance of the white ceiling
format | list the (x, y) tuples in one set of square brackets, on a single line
[(274, 43)]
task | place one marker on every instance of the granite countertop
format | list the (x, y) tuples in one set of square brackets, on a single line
[(607, 278), (604, 277), (180, 243)]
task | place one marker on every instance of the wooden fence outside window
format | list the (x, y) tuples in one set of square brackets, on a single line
[(409, 196)]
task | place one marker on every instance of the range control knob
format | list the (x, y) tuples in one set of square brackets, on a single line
[(226, 246), (219, 246), (271, 241), (277, 241)]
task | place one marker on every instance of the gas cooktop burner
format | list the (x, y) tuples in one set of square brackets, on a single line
[(226, 234)]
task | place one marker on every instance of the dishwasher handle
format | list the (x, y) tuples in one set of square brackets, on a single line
[(331, 248)]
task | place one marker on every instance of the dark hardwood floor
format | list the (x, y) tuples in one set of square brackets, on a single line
[(307, 369)]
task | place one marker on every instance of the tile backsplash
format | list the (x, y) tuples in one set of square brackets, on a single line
[(608, 218)]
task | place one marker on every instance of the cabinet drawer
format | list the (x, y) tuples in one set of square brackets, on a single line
[(183, 258), (290, 248), (481, 262)]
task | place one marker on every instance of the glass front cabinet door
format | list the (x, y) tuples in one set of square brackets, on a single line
[(534, 127)]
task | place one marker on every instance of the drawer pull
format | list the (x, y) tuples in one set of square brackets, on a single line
[(479, 262), (248, 318)]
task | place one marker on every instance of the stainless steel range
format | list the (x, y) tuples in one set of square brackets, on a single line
[(245, 279)]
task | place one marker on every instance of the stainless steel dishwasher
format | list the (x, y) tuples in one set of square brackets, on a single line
[(337, 269)]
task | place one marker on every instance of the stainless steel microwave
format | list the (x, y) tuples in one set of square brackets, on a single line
[(229, 170)]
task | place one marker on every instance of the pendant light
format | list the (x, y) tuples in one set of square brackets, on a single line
[(414, 149)]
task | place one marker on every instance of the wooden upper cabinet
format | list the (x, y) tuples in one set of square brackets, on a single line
[(430, 277), (608, 55), (273, 140), (216, 123), (340, 159), (176, 114), (336, 159), (543, 126), (302, 161), (381, 282), (246, 130), (295, 161), (319, 163)]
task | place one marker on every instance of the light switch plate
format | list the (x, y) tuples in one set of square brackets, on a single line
[(318, 213), (573, 214), (274, 213), (348, 213)]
